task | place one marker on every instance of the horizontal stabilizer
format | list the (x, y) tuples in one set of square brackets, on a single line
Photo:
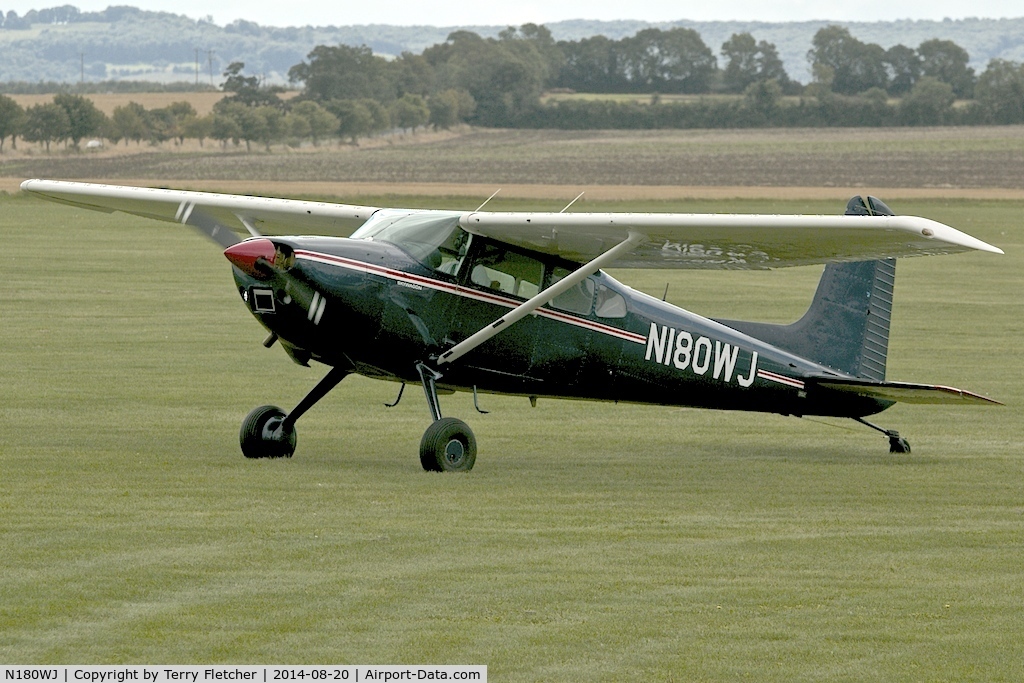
[(904, 392)]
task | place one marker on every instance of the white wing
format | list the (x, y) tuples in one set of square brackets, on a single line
[(235, 212), (720, 241), (724, 241)]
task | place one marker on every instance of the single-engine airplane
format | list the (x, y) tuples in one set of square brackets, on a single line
[(517, 303)]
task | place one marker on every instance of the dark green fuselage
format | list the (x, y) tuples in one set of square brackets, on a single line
[(373, 308)]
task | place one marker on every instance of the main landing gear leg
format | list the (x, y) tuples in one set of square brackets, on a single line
[(267, 432), (448, 445), (897, 444)]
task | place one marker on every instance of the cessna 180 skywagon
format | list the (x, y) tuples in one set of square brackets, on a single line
[(517, 303)]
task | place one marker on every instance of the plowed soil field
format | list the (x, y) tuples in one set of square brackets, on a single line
[(977, 162)]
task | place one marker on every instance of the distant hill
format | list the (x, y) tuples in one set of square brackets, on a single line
[(125, 43)]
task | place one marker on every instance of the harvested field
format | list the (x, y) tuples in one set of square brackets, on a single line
[(939, 158), (106, 102)]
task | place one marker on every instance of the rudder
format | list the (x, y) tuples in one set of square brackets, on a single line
[(847, 325)]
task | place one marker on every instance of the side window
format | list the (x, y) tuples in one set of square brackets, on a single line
[(610, 304), (506, 271), (578, 299)]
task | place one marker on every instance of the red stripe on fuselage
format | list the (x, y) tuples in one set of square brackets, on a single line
[(487, 297), (781, 379)]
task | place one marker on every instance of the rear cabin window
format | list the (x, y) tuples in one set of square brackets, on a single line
[(610, 304), (498, 269), (506, 271), (577, 299)]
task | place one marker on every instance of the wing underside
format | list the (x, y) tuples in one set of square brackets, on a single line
[(725, 241)]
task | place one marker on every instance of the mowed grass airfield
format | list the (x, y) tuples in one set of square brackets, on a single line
[(592, 542)]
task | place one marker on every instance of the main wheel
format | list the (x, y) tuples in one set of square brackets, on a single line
[(263, 435), (448, 445)]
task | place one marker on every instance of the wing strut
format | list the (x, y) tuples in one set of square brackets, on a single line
[(529, 306)]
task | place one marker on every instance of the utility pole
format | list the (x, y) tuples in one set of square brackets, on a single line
[(82, 57), (197, 68), (209, 56)]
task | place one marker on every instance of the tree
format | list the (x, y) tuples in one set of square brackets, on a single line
[(273, 127), (409, 112), (674, 61), (762, 98), (380, 117), (592, 65), (505, 77), (947, 62), (252, 124), (12, 117), (903, 65), (297, 127), (197, 127), (354, 118), (450, 107), (412, 74), (84, 119), (313, 121), (224, 127), (46, 123), (1000, 92), (928, 103), (540, 40), (131, 122), (246, 89), (741, 70), (344, 72), (770, 66), (750, 62), (176, 117), (854, 66)]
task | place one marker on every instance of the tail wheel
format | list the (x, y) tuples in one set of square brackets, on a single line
[(264, 434), (897, 444), (448, 445)]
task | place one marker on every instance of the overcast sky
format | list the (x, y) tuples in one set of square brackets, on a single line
[(474, 12)]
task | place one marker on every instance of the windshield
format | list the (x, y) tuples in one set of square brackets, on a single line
[(433, 238)]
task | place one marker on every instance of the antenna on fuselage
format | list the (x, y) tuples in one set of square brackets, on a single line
[(495, 194), (572, 202)]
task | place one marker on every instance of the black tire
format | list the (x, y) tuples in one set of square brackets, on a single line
[(448, 445), (261, 435), (897, 444)]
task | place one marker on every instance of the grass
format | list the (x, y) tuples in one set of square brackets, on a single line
[(592, 541)]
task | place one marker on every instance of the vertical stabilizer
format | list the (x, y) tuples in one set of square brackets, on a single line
[(847, 325)]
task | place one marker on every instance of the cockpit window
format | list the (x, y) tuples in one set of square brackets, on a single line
[(284, 256), (432, 238)]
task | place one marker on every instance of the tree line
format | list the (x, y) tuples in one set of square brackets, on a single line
[(248, 114), (855, 83), (349, 92)]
